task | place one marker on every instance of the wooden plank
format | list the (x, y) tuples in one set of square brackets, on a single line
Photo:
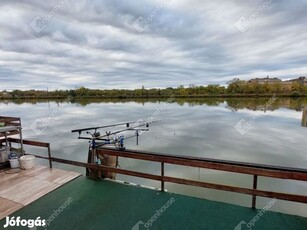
[(28, 185), (277, 195), (10, 121), (66, 178), (110, 169), (13, 185), (36, 171), (12, 133), (54, 175), (2, 118), (6, 184), (283, 196), (285, 173), (9, 128), (28, 142), (39, 192), (6, 177), (255, 183), (8, 207), (28, 191), (128, 154)]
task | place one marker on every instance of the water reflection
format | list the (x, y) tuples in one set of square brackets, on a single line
[(233, 104)]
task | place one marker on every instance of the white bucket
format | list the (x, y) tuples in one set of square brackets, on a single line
[(14, 163), (27, 162)]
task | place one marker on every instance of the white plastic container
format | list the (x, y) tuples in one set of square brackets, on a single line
[(14, 163), (27, 161)]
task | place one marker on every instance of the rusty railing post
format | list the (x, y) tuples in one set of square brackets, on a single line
[(162, 175), (49, 155), (255, 181)]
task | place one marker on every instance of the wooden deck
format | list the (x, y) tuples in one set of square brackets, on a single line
[(20, 189)]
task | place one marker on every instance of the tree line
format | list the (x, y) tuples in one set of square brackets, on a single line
[(235, 88)]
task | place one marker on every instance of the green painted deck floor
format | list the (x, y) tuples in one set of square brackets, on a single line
[(87, 204)]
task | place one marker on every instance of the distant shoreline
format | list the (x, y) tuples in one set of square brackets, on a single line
[(236, 88), (162, 97)]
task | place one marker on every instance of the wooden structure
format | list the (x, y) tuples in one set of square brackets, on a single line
[(105, 160), (10, 126), (11, 122), (255, 170), (20, 189)]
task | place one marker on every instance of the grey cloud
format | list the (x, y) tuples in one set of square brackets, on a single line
[(94, 43)]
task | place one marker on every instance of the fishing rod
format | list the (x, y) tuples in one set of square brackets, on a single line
[(96, 135), (111, 138), (105, 126), (127, 129)]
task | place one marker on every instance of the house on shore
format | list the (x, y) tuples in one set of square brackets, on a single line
[(266, 80), (300, 80), (284, 85)]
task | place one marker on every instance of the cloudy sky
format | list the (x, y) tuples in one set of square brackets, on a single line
[(126, 44)]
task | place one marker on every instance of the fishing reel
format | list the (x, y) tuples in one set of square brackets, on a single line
[(119, 142), (94, 135)]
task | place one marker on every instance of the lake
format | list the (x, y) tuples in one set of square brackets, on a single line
[(265, 130)]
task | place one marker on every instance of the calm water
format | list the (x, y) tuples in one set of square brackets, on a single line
[(273, 132)]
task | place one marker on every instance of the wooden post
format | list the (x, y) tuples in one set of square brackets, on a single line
[(254, 187), (6, 140), (89, 160), (49, 156), (162, 175), (21, 140)]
